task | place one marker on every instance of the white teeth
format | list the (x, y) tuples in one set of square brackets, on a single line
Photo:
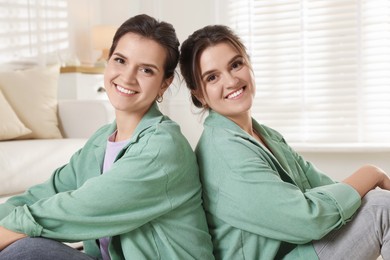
[(125, 91), (236, 93)]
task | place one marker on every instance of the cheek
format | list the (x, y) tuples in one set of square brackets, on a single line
[(212, 95), (253, 85), (109, 75), (106, 82), (216, 90), (151, 86)]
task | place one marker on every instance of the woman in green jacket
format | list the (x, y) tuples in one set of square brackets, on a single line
[(262, 199), (133, 190)]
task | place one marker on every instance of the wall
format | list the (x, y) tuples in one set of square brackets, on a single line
[(83, 14), (187, 16)]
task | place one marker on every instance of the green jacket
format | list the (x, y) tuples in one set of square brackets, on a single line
[(255, 199), (149, 202)]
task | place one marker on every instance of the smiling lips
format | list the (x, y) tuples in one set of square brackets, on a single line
[(125, 90), (235, 94)]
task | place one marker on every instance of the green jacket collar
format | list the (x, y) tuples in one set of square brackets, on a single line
[(215, 119), (272, 139), (152, 117)]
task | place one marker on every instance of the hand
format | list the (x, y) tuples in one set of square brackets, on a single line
[(367, 178), (7, 237)]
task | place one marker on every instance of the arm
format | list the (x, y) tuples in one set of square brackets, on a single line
[(363, 180), (106, 203), (62, 179), (65, 178), (367, 178), (133, 192), (75, 122), (7, 237), (35, 193), (314, 176), (294, 162), (251, 195)]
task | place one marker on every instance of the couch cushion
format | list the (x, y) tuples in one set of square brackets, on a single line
[(32, 93), (10, 127), (24, 163)]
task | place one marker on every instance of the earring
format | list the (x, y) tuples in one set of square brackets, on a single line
[(159, 99)]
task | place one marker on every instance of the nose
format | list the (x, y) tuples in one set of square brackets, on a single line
[(129, 75), (231, 80)]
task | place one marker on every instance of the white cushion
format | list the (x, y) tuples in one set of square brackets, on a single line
[(32, 93), (10, 126)]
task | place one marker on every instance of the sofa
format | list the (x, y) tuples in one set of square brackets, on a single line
[(27, 162), (39, 131)]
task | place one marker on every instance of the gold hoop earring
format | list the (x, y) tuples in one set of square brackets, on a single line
[(159, 99)]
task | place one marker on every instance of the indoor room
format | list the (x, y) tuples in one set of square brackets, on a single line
[(321, 70)]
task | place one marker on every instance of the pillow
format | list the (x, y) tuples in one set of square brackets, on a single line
[(10, 126), (32, 93)]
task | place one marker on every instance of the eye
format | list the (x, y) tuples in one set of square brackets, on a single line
[(119, 60), (211, 77), (237, 64), (147, 70)]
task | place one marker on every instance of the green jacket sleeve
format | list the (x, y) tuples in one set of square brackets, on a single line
[(58, 182), (247, 189), (134, 191), (293, 161), (314, 176)]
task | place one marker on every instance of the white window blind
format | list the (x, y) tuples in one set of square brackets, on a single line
[(33, 30), (322, 67)]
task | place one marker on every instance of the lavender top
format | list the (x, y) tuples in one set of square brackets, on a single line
[(112, 150)]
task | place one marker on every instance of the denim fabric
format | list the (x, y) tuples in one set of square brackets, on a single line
[(365, 237), (41, 249)]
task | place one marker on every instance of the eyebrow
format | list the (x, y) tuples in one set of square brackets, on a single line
[(142, 64), (212, 71)]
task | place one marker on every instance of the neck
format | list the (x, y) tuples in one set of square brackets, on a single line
[(244, 121), (126, 125)]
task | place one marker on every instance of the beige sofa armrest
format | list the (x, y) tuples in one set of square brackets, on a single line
[(81, 118)]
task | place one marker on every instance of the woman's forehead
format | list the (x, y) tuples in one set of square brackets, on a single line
[(141, 49), (217, 55)]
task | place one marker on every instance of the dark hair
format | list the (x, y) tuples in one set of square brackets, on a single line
[(193, 47), (160, 32)]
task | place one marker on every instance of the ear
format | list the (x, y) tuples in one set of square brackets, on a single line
[(198, 93), (167, 82)]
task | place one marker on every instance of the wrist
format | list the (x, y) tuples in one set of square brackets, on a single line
[(7, 237)]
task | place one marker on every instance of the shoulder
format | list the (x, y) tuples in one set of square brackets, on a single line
[(165, 140), (222, 132), (163, 150), (165, 132), (268, 132), (225, 144)]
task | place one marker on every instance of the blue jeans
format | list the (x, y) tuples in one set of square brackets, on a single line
[(41, 249), (365, 237)]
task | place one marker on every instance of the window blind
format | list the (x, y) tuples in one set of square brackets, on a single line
[(322, 68), (33, 30)]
